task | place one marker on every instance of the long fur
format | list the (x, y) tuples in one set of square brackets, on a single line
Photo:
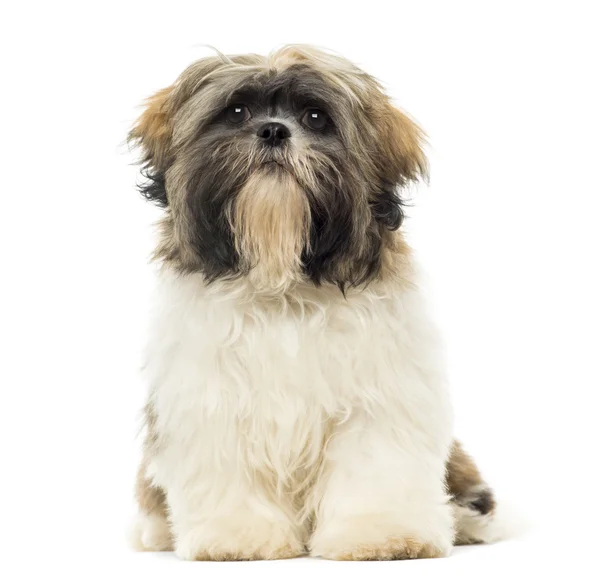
[(297, 399)]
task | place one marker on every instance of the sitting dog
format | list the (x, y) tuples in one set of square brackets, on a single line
[(297, 398)]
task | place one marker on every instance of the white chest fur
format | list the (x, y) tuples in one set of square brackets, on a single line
[(283, 371)]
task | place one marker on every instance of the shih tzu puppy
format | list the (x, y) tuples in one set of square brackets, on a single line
[(297, 400)]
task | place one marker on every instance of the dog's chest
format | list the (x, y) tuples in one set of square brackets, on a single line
[(275, 375), (262, 354)]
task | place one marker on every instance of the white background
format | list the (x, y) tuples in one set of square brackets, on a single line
[(508, 230)]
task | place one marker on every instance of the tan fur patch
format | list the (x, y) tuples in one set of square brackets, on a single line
[(153, 128), (396, 257), (402, 144), (393, 549), (151, 499), (153, 527), (461, 472), (286, 552), (270, 222)]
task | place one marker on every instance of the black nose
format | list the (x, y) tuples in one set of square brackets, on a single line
[(273, 133)]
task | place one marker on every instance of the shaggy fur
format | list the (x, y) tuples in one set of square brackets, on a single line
[(297, 398)]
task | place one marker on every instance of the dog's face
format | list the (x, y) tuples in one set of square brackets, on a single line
[(281, 169)]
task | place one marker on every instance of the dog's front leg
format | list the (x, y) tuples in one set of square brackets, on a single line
[(382, 494), (220, 506)]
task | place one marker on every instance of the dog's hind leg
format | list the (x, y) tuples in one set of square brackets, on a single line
[(472, 499), (151, 530)]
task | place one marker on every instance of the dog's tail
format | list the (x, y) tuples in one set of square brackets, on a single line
[(473, 501)]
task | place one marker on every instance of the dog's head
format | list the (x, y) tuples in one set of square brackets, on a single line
[(281, 168)]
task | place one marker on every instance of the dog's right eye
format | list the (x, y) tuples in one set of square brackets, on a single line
[(316, 119), (236, 114)]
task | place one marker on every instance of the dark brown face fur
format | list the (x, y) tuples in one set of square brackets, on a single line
[(314, 200)]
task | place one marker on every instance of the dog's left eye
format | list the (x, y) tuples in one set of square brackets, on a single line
[(237, 114), (315, 119)]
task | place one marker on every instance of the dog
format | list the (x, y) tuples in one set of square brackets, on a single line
[(297, 398)]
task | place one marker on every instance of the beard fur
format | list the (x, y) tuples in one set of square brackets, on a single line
[(270, 220)]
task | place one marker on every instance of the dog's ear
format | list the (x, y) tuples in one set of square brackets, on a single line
[(152, 132), (400, 160), (401, 147)]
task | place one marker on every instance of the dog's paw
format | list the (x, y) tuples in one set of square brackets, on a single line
[(235, 541), (150, 532), (390, 549), (373, 538)]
